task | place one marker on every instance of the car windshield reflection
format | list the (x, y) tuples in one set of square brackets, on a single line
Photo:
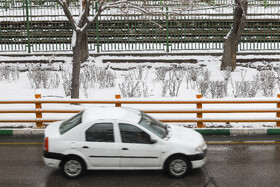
[(153, 125)]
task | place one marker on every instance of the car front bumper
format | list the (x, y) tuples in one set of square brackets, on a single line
[(198, 163), (198, 160)]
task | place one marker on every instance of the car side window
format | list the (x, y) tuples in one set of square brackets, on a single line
[(132, 134), (100, 132)]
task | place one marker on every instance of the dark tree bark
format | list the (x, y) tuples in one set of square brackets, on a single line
[(80, 55), (76, 71), (84, 47), (234, 35)]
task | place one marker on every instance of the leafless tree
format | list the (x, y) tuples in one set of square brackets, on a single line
[(234, 35), (80, 25)]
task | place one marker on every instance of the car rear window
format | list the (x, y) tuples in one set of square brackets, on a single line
[(71, 123)]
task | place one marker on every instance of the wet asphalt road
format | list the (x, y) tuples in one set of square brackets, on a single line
[(233, 164)]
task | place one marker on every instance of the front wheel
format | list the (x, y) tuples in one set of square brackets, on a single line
[(73, 167), (178, 166)]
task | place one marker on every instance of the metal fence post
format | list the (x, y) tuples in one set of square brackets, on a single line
[(28, 26), (118, 101), (38, 114), (199, 112), (167, 31), (278, 112), (97, 30), (6, 5)]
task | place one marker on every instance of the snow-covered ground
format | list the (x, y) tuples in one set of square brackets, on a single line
[(151, 86)]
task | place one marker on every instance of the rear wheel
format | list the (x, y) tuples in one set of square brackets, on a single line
[(178, 166), (73, 167)]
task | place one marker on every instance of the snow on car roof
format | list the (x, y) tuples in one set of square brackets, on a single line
[(97, 113)]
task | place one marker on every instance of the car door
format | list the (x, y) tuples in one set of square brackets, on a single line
[(100, 146), (137, 150)]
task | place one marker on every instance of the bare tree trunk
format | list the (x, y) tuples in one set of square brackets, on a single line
[(75, 83), (80, 55), (234, 35), (84, 47)]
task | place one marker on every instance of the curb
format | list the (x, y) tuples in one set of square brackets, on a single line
[(21, 132), (244, 132)]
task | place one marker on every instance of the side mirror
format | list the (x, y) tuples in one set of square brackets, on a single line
[(153, 141)]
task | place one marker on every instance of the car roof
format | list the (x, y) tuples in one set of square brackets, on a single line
[(111, 113)]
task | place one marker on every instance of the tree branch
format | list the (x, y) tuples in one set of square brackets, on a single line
[(85, 13), (68, 14), (91, 20)]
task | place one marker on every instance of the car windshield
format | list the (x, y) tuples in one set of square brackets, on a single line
[(71, 123), (153, 125)]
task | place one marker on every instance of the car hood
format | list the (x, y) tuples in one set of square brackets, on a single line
[(53, 129), (185, 136)]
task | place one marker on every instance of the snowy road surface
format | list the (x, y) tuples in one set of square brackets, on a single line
[(228, 165)]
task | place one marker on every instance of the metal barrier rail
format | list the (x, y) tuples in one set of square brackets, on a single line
[(118, 102)]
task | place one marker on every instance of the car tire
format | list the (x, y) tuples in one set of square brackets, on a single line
[(73, 167), (178, 166)]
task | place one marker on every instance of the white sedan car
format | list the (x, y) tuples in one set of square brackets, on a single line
[(114, 138)]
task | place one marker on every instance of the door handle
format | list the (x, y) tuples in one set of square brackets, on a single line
[(85, 147), (124, 148)]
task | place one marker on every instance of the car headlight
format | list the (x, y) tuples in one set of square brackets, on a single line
[(199, 149), (204, 147)]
